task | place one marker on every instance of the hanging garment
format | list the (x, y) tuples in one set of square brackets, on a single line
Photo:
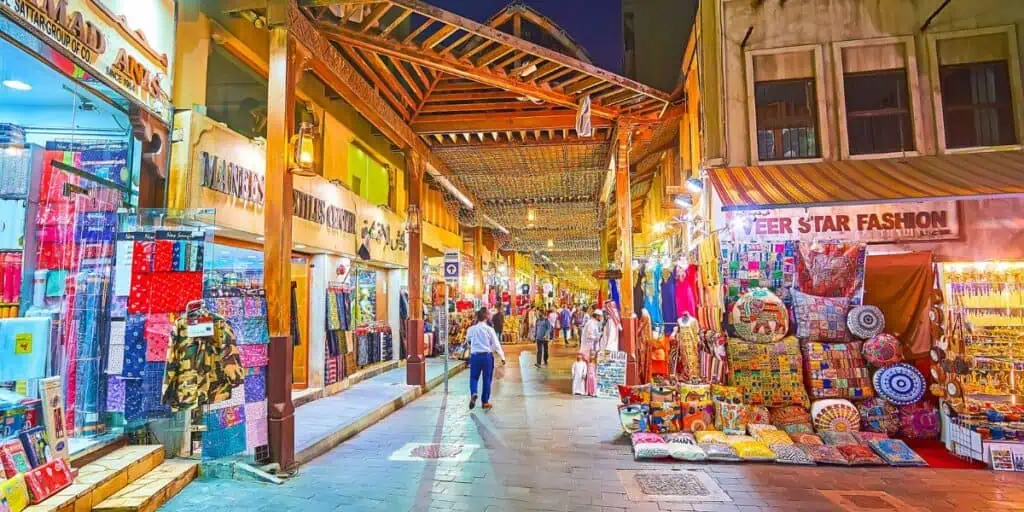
[(612, 326), (201, 370), (638, 290), (653, 299), (668, 302), (688, 341), (613, 292), (659, 355), (642, 351), (686, 292)]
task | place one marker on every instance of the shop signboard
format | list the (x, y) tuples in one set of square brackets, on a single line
[(451, 267), (889, 223), (126, 42)]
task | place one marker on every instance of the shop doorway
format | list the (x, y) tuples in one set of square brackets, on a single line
[(300, 322)]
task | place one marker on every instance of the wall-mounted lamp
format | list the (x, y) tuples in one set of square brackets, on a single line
[(695, 185), (303, 151), (683, 201), (412, 219)]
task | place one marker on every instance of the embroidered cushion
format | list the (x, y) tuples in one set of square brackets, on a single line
[(631, 395), (882, 350), (896, 453), (822, 454), (758, 414), (755, 428), (664, 417), (866, 438), (789, 415), (722, 393), (878, 415), (835, 415), (774, 437), (837, 370), (798, 428), (697, 416), (791, 454), (900, 384), (649, 446), (664, 393), (708, 436), (919, 421), (633, 418), (831, 269), (771, 374), (838, 438), (821, 318), (730, 418), (759, 316), (805, 438), (688, 452), (732, 439), (14, 493), (694, 392), (753, 450), (860, 455), (719, 451), (865, 322), (679, 437)]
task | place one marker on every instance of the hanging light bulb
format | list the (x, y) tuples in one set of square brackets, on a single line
[(551, 243), (695, 185), (531, 215)]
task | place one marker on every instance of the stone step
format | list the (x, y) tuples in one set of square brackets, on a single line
[(152, 490), (102, 478)]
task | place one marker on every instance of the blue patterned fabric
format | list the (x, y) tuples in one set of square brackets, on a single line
[(134, 347), (152, 388)]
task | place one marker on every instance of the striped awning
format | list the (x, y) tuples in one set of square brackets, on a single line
[(975, 175)]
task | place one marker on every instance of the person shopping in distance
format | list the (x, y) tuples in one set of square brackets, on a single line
[(565, 321), (545, 331), (483, 343)]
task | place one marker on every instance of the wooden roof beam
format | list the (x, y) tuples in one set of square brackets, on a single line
[(395, 22), (385, 74), (419, 30), (356, 57), (493, 55), (376, 14), (553, 76), (455, 44), (489, 121), (413, 86), (436, 38)]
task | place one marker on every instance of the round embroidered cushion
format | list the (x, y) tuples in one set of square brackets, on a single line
[(882, 350), (900, 384), (835, 415), (759, 316), (865, 321)]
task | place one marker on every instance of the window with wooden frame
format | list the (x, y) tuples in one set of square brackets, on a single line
[(978, 87), (876, 80), (785, 93)]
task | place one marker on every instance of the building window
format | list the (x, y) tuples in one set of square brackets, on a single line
[(787, 120), (976, 105), (878, 112)]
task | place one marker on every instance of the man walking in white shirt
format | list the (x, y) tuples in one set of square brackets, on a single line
[(483, 343)]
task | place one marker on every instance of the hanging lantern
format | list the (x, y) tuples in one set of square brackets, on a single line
[(303, 151)]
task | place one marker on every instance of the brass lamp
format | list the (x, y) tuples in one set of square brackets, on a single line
[(303, 151)]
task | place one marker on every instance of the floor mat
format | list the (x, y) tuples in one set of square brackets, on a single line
[(937, 456)]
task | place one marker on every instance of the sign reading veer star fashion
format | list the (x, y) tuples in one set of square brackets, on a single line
[(905, 222)]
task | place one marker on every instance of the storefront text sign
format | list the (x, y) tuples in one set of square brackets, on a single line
[(870, 223), (321, 212)]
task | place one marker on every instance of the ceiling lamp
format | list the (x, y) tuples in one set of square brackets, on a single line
[(683, 201), (551, 243), (695, 185), (17, 85), (531, 215)]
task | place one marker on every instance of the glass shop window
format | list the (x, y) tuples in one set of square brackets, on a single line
[(878, 112), (787, 119), (977, 108)]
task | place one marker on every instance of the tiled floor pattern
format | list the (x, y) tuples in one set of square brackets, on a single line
[(542, 449)]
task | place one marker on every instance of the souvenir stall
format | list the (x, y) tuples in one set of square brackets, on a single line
[(372, 336)]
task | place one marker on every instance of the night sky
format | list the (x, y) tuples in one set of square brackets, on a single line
[(594, 24)]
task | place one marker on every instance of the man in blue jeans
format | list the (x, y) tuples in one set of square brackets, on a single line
[(545, 331), (483, 342)]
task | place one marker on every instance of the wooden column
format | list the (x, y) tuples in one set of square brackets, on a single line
[(478, 263), (602, 284), (513, 292), (416, 370), (285, 66), (623, 203)]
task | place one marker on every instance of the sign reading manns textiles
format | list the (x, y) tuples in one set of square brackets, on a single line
[(904, 222)]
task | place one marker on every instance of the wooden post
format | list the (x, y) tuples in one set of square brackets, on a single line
[(416, 370), (478, 263), (285, 66), (602, 284), (623, 205)]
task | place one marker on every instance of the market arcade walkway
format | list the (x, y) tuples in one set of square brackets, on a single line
[(542, 449)]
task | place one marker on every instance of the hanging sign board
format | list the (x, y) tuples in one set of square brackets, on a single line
[(903, 222), (451, 267)]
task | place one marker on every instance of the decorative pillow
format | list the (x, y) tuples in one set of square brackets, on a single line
[(878, 415), (770, 374), (865, 322), (835, 415), (838, 438), (694, 392), (697, 416), (709, 436), (13, 459), (837, 371), (759, 316), (774, 437), (865, 438), (821, 318), (687, 452), (661, 394), (755, 428), (14, 493), (758, 414), (664, 417), (715, 450), (48, 479), (738, 438), (900, 384), (805, 438), (722, 393), (799, 428), (791, 454), (896, 453), (753, 450), (919, 421), (632, 395), (679, 437), (883, 350), (831, 269), (730, 418), (822, 454), (649, 446), (789, 415), (860, 455), (633, 418)]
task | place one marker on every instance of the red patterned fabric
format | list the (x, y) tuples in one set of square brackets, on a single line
[(139, 296), (831, 269), (142, 258), (48, 479), (163, 256), (172, 291)]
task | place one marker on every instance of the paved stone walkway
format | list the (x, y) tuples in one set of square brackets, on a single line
[(543, 449)]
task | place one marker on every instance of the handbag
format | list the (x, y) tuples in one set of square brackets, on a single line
[(499, 371)]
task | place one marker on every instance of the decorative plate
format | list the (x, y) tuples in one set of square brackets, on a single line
[(835, 415), (900, 384), (937, 374), (882, 350), (953, 389), (937, 354), (759, 316), (865, 321)]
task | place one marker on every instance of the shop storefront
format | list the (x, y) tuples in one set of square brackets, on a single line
[(79, 91), (887, 313), (348, 255)]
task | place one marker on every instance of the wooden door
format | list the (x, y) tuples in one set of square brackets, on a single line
[(300, 359)]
